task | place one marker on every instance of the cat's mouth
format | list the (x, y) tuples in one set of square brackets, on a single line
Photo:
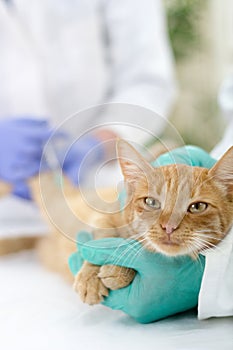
[(170, 242), (170, 246)]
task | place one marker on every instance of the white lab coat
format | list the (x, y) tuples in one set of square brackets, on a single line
[(59, 57), (216, 294)]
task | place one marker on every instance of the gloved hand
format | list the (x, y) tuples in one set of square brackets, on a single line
[(76, 260), (163, 286), (88, 150), (78, 157), (189, 155), (21, 146)]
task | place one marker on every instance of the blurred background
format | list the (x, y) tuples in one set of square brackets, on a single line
[(86, 65), (201, 34)]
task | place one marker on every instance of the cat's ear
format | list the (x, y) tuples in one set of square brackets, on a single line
[(134, 167), (222, 171)]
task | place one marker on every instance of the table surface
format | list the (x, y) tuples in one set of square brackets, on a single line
[(41, 311), (38, 310)]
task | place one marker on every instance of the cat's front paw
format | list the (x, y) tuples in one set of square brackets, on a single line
[(89, 286), (116, 277)]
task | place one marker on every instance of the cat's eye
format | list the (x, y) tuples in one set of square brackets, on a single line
[(197, 207), (152, 203)]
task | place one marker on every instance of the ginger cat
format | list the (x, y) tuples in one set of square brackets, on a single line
[(173, 209)]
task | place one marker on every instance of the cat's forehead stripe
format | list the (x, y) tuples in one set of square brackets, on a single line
[(177, 186)]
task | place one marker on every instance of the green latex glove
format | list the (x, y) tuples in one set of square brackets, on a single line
[(163, 286), (76, 260), (189, 155)]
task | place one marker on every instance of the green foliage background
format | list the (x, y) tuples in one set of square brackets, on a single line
[(196, 115), (182, 18)]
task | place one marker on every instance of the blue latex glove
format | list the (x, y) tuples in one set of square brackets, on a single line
[(163, 286), (21, 146), (87, 149), (22, 142)]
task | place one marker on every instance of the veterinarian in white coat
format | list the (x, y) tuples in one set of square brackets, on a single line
[(59, 57), (216, 294)]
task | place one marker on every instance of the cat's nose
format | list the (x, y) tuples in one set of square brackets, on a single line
[(169, 228)]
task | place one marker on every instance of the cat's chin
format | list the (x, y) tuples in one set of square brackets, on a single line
[(171, 249), (168, 248)]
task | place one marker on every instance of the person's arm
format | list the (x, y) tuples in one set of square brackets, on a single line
[(140, 60), (80, 155), (163, 286), (23, 140), (21, 146)]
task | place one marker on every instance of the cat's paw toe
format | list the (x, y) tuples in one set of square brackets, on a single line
[(116, 277), (91, 290)]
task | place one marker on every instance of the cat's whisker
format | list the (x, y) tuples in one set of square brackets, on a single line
[(203, 239), (125, 253), (138, 235), (136, 255), (210, 249), (143, 246), (213, 248), (203, 244), (206, 233), (196, 244), (200, 262), (207, 230), (132, 257), (119, 257), (195, 254), (200, 244), (206, 236)]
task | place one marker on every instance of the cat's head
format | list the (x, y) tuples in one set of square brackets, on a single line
[(177, 209)]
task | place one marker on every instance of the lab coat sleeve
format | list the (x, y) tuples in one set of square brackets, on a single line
[(20, 79), (216, 294), (225, 143), (140, 60)]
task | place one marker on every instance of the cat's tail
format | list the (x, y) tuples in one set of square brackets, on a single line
[(16, 244)]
